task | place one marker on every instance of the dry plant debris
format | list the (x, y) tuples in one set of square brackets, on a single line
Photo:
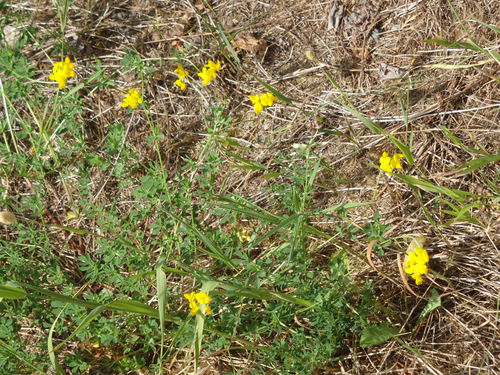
[(323, 58)]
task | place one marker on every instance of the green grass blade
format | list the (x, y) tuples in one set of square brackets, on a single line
[(453, 44), (135, 307), (495, 29), (275, 92), (53, 296), (344, 206), (461, 213), (89, 318), (10, 292), (214, 252), (52, 355), (228, 44), (11, 351), (285, 223), (262, 294), (458, 195), (459, 142), (378, 130), (161, 287), (249, 164), (472, 165)]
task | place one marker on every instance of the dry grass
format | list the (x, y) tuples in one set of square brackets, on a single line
[(460, 337)]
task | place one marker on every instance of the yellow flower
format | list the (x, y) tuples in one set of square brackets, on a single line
[(395, 164), (416, 265), (265, 100), (202, 298), (62, 71), (182, 74), (207, 75), (209, 71), (132, 99), (268, 99), (181, 84), (243, 236), (256, 103), (190, 296), (214, 66), (196, 300), (388, 164)]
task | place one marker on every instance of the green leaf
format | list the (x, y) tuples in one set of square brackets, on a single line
[(263, 294), (228, 44), (6, 348), (461, 213), (459, 142), (246, 166), (272, 175), (71, 229), (285, 223), (333, 132), (377, 334), (10, 292), (432, 304)]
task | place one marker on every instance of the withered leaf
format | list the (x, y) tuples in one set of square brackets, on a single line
[(390, 72), (252, 44)]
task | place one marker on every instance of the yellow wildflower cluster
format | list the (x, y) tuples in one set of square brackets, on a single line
[(182, 74), (243, 236), (265, 100), (132, 99), (416, 265), (388, 164), (209, 71), (197, 300), (62, 71)]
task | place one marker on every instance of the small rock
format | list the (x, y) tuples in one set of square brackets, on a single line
[(12, 35)]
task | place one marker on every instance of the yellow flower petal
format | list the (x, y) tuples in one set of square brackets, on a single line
[(181, 73), (385, 162), (181, 84), (203, 298), (416, 265), (132, 99), (207, 75), (190, 296), (194, 310), (268, 99), (214, 66), (62, 71), (418, 278), (395, 163)]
